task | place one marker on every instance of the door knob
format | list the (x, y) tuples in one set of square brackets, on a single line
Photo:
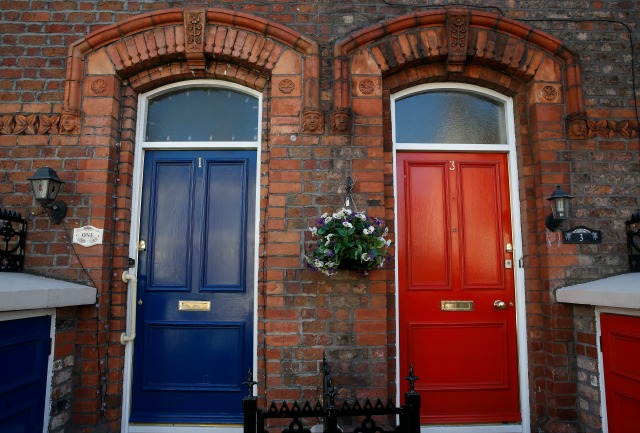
[(499, 305)]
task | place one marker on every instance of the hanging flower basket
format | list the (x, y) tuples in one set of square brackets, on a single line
[(348, 240)]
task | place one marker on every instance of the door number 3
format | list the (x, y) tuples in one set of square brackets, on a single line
[(452, 167)]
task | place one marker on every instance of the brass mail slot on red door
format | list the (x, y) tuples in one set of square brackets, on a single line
[(456, 305), (194, 305)]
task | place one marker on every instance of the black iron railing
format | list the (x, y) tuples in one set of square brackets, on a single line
[(408, 414), (13, 238), (633, 242)]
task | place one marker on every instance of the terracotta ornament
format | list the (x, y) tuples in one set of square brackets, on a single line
[(70, 122), (341, 121), (312, 121)]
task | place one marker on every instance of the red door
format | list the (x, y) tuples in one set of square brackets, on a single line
[(620, 355), (456, 286)]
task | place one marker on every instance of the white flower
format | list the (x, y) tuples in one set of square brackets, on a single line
[(318, 263), (328, 237), (387, 242), (361, 216), (327, 220), (330, 264), (313, 230), (371, 230), (346, 211), (386, 231), (347, 224), (324, 215), (365, 257)]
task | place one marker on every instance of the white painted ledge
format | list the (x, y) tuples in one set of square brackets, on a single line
[(29, 292), (620, 291)]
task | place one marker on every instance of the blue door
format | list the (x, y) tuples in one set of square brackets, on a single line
[(24, 351), (194, 343)]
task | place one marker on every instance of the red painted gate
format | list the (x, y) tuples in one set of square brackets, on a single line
[(620, 355), (456, 286)]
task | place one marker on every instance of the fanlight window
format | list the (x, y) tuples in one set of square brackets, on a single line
[(203, 114), (450, 117)]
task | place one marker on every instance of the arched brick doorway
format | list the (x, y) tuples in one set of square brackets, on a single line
[(542, 77), (106, 72)]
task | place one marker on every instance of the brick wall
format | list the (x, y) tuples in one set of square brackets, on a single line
[(303, 313), (588, 371)]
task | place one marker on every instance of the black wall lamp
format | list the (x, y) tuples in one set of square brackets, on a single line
[(45, 185), (559, 207)]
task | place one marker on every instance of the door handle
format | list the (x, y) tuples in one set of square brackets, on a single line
[(499, 305), (131, 335)]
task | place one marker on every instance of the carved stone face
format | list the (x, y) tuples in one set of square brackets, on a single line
[(312, 122), (68, 123), (341, 122), (578, 129)]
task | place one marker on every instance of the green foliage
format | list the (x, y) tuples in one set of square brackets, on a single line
[(348, 240)]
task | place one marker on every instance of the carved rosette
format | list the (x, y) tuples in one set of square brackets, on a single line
[(312, 121), (549, 93), (458, 36), (98, 86), (194, 28), (367, 86), (286, 86), (341, 121)]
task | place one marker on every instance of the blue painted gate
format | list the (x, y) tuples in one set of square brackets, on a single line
[(24, 353), (194, 343)]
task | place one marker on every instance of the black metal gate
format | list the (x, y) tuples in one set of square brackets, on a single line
[(13, 235), (408, 414)]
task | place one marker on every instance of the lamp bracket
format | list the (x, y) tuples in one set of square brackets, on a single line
[(552, 223), (56, 211)]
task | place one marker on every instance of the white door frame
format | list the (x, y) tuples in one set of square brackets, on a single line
[(140, 147), (521, 327)]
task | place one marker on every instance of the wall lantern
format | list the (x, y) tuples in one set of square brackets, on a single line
[(45, 185), (559, 207)]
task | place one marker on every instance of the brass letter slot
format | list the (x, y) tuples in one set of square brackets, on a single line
[(194, 305), (456, 305)]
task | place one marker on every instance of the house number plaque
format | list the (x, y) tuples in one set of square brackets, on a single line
[(87, 236), (582, 235)]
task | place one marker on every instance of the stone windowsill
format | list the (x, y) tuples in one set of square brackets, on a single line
[(620, 291), (29, 292)]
